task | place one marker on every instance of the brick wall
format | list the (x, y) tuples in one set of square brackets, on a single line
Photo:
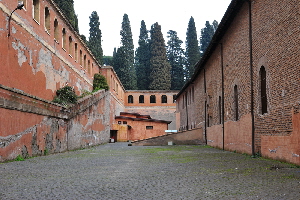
[(275, 36)]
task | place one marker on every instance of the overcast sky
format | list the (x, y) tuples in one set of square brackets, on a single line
[(170, 14)]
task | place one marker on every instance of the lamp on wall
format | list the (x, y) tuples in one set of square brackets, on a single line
[(19, 7)]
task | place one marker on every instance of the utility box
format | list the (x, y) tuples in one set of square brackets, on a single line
[(170, 143)]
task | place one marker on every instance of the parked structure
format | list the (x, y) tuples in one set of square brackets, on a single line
[(244, 95), (134, 126)]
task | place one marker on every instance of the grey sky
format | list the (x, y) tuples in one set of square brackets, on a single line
[(171, 15)]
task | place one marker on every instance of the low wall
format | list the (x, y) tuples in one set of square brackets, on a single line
[(30, 126), (285, 148), (192, 137), (237, 135)]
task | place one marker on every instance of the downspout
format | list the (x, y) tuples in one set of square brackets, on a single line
[(251, 76), (223, 109), (205, 111)]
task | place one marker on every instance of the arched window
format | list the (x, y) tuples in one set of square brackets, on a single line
[(36, 10), (141, 99), (47, 19), (164, 99), (64, 39), (56, 32), (130, 99), (263, 90), (152, 99), (236, 103), (70, 46)]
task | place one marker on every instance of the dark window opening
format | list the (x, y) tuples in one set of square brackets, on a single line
[(119, 122), (130, 99), (124, 122), (263, 90), (149, 127), (141, 99), (47, 19), (152, 99), (174, 98), (220, 110), (164, 99), (236, 103)]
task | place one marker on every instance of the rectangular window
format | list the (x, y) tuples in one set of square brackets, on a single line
[(47, 20), (124, 122), (149, 127), (36, 10)]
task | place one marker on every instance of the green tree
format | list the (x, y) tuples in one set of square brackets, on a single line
[(206, 35), (142, 59), (192, 48), (125, 57), (94, 43), (177, 60), (160, 77), (67, 7), (99, 82), (108, 60)]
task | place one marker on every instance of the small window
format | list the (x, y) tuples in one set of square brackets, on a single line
[(149, 127), (263, 90), (84, 61), (164, 99), (130, 99), (152, 99), (89, 67), (119, 122), (76, 51), (47, 19), (64, 39), (56, 32), (80, 57), (236, 103), (141, 99), (124, 122), (70, 46), (174, 98), (220, 110), (36, 10)]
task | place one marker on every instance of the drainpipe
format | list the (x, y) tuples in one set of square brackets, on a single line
[(205, 110), (223, 110), (251, 76)]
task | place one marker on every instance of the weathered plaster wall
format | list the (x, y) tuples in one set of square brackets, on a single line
[(30, 126)]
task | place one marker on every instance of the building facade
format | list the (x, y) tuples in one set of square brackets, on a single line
[(244, 95)]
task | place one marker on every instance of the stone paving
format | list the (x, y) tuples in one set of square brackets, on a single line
[(118, 171)]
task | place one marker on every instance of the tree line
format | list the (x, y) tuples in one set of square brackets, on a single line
[(154, 65)]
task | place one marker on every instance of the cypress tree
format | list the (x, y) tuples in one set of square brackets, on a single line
[(192, 48), (95, 37), (177, 60), (67, 7), (142, 59), (125, 57), (160, 78), (206, 35)]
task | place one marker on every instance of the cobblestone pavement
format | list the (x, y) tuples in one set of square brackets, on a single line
[(118, 171)]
